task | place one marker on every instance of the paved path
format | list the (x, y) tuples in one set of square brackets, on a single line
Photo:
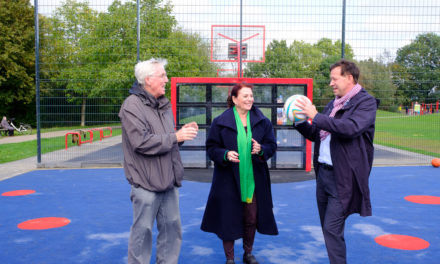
[(108, 153), (21, 138), (14, 168), (11, 169)]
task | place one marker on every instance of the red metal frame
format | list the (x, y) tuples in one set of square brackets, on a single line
[(101, 132), (73, 133), (87, 141), (90, 131), (211, 80)]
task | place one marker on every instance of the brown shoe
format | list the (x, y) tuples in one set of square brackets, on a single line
[(248, 258)]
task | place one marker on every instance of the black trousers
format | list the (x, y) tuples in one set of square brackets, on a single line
[(331, 215)]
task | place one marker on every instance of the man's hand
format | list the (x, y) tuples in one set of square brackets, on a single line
[(192, 124), (307, 108), (187, 132)]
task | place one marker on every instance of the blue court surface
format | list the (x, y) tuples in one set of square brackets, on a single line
[(96, 203)]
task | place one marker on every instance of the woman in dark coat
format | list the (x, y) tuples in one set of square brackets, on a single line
[(240, 199)]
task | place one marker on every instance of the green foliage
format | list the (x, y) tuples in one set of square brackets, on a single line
[(92, 55), (301, 60), (376, 78), (17, 59), (417, 69)]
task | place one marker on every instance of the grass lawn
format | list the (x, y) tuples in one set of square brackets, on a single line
[(420, 134), (16, 151)]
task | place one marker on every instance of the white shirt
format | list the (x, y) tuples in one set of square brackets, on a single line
[(324, 151)]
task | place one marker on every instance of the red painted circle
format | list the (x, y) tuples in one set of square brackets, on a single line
[(402, 242), (18, 193), (44, 223), (423, 199)]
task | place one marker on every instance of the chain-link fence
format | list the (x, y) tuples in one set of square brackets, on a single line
[(87, 52)]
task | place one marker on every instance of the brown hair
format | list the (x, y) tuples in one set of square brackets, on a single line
[(347, 67), (234, 92)]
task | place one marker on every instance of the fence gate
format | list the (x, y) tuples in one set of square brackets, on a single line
[(203, 99)]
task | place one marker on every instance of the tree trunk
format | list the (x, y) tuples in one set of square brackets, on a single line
[(83, 112)]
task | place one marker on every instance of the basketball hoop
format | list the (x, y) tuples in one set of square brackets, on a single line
[(225, 44)]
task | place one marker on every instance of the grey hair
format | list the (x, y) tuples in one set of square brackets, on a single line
[(147, 68)]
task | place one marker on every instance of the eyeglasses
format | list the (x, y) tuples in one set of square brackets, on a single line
[(162, 76)]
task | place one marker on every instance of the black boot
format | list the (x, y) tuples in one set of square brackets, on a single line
[(248, 258)]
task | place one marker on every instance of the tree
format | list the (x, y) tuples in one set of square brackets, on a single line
[(73, 24), (280, 62), (376, 78), (96, 52), (417, 69), (301, 60), (17, 59)]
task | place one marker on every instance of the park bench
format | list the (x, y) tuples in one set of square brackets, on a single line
[(3, 131)]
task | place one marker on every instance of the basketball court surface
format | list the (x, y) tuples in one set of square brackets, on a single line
[(84, 216)]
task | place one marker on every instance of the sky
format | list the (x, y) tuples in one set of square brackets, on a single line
[(373, 27)]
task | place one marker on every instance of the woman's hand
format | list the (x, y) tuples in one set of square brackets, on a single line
[(232, 156), (256, 147)]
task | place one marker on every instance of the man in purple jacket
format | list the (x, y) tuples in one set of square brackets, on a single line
[(343, 155)]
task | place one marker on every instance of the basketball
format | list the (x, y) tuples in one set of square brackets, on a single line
[(291, 108), (435, 162)]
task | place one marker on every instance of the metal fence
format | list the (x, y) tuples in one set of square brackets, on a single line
[(86, 52)]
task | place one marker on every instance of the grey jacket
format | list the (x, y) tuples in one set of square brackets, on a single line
[(151, 152)]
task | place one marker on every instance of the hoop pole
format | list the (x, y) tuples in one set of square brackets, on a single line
[(343, 30), (37, 78), (240, 71), (138, 29)]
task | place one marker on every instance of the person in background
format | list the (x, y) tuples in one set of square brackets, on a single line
[(343, 155), (416, 108), (152, 164), (7, 126), (240, 142)]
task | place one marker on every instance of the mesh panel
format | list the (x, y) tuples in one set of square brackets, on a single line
[(88, 51)]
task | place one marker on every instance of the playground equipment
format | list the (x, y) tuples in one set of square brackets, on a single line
[(77, 136)]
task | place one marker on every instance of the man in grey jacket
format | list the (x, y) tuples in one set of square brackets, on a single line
[(152, 164)]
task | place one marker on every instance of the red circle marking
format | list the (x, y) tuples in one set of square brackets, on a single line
[(44, 223), (18, 193), (423, 199), (402, 242)]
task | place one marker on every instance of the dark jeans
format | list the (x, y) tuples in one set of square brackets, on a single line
[(331, 215), (250, 227)]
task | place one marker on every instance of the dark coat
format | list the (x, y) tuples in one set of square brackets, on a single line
[(351, 148), (224, 209)]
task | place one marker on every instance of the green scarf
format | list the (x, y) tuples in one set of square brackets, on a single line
[(244, 143)]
